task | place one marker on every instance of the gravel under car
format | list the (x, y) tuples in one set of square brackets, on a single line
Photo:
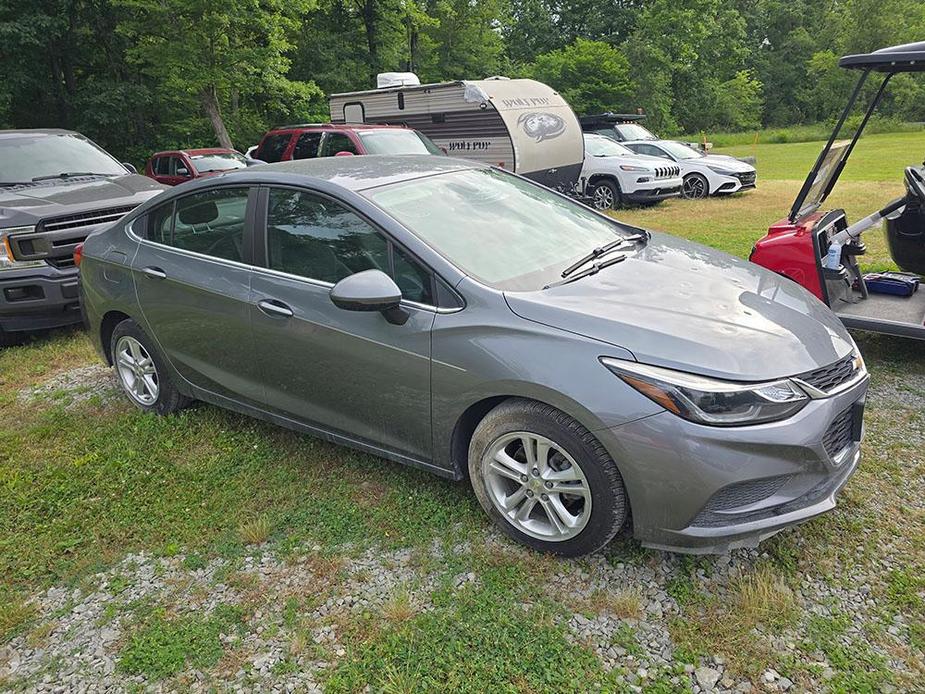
[(458, 318)]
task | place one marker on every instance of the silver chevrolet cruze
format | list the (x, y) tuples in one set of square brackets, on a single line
[(460, 319)]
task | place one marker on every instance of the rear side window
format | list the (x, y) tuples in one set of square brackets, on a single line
[(337, 142), (306, 147), (210, 222), (273, 147), (319, 239)]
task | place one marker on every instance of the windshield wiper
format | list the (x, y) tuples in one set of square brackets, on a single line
[(598, 252), (10, 184), (69, 174), (593, 270)]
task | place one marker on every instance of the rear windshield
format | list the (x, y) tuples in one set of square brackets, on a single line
[(26, 157), (205, 163), (631, 131), (397, 142)]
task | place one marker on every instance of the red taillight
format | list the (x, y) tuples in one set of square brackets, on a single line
[(78, 254)]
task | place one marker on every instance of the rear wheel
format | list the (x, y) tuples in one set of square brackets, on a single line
[(605, 195), (545, 480), (142, 371), (695, 187)]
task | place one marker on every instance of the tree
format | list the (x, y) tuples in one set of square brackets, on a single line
[(591, 75), (219, 54)]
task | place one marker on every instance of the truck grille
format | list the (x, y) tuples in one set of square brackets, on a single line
[(667, 172), (54, 239), (830, 377), (838, 436)]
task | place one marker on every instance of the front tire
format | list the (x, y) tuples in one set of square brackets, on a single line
[(142, 371), (605, 195), (545, 480), (695, 187)]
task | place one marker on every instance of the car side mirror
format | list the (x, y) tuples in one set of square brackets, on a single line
[(130, 167), (370, 290), (344, 153), (182, 171)]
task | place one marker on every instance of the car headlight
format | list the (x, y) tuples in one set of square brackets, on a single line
[(711, 401), (720, 170), (640, 169), (6, 253)]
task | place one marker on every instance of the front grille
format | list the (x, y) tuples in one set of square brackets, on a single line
[(667, 172), (745, 493), (839, 434), (60, 263), (86, 219), (830, 377), (746, 177)]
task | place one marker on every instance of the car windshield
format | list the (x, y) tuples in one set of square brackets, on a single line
[(598, 146), (631, 131), (389, 141), (29, 156), (222, 161), (680, 151), (496, 227)]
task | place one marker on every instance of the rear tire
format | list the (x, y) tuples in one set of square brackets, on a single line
[(605, 195), (545, 480), (142, 371)]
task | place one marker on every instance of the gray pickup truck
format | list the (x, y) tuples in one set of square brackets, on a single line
[(56, 187)]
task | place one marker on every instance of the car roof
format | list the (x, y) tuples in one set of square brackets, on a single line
[(37, 131), (362, 172), (195, 152), (336, 126)]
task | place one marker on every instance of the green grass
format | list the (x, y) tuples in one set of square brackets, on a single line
[(818, 132)]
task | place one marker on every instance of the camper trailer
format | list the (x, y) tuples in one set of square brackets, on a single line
[(520, 125)]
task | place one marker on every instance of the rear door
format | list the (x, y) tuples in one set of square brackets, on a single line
[(346, 371), (306, 145), (336, 142), (192, 278)]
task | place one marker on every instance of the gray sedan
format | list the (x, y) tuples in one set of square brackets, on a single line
[(464, 320)]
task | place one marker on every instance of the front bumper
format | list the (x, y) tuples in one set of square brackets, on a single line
[(38, 298), (661, 190), (735, 183), (703, 490)]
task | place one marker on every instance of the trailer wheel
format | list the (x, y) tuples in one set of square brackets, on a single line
[(605, 195)]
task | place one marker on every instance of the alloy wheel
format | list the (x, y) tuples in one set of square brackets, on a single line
[(136, 370), (695, 187), (603, 198), (537, 486)]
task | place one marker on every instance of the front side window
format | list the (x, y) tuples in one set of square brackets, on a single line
[(210, 222), (273, 147), (337, 142), (317, 238), (502, 230), (306, 147), (162, 166)]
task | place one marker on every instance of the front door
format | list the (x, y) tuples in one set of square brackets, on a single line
[(192, 279), (350, 372)]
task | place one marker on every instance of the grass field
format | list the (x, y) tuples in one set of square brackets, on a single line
[(213, 550)]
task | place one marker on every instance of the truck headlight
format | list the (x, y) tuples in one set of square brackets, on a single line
[(711, 401), (6, 253), (640, 169)]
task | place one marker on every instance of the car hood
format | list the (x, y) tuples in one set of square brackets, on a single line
[(685, 306), (727, 162), (32, 203)]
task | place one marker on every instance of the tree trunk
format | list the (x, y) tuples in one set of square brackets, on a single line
[(210, 106), (371, 23)]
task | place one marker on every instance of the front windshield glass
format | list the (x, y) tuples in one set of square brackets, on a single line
[(598, 146), (397, 142), (218, 162), (28, 156), (680, 151), (502, 230), (825, 173), (631, 131)]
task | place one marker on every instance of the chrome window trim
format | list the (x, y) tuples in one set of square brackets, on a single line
[(267, 271)]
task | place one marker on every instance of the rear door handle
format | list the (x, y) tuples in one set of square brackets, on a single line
[(274, 308), (155, 273)]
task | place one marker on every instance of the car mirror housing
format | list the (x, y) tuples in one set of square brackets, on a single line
[(182, 172), (130, 167), (370, 290)]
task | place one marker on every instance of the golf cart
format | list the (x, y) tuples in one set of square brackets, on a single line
[(821, 250)]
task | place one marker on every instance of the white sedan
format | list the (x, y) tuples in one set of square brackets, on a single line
[(703, 174)]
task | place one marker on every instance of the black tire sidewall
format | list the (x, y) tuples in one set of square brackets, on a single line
[(706, 186), (614, 189), (609, 504), (169, 398)]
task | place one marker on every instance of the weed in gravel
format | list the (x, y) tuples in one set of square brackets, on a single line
[(762, 597), (399, 607), (15, 614), (857, 667), (254, 531)]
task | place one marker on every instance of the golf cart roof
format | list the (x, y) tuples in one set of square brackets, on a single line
[(909, 57)]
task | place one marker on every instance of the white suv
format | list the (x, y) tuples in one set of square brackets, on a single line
[(615, 174)]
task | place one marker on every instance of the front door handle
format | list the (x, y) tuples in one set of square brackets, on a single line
[(155, 273), (274, 308)]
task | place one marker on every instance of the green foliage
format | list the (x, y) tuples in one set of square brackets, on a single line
[(592, 76), (163, 646)]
